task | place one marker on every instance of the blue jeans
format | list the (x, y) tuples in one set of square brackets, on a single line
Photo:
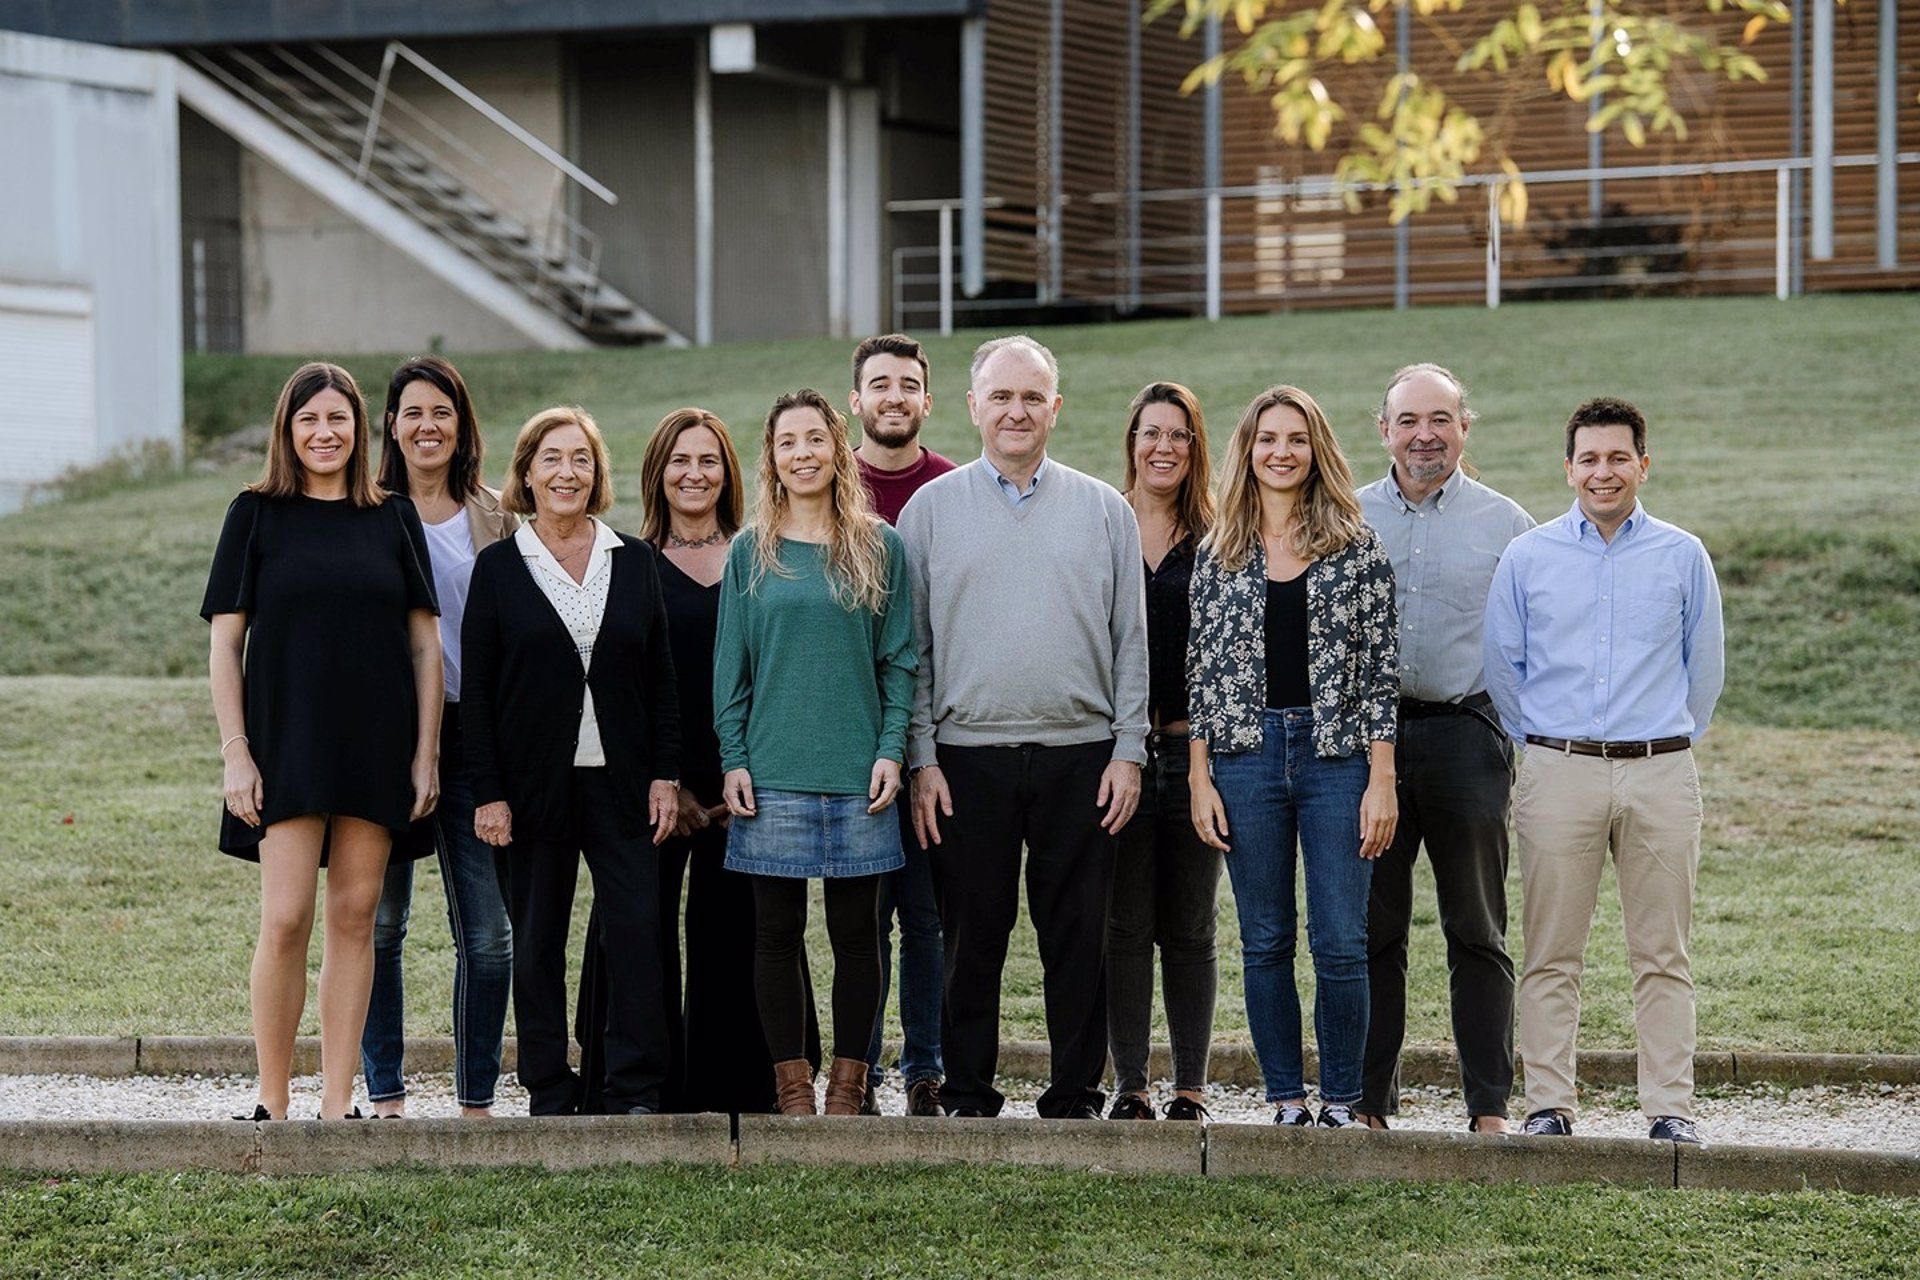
[(909, 892), (482, 940), (1276, 796)]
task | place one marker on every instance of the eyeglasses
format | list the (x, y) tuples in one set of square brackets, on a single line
[(1178, 437)]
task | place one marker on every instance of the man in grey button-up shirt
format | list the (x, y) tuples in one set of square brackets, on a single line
[(1444, 532)]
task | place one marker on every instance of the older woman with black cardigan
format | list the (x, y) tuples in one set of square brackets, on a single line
[(573, 741)]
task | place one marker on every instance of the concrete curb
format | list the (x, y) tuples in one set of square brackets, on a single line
[(1219, 1151), (1231, 1063)]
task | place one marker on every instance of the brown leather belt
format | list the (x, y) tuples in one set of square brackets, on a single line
[(1612, 750)]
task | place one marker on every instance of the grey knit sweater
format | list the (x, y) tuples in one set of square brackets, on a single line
[(1032, 621)]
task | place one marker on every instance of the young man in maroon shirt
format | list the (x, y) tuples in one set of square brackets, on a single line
[(891, 400)]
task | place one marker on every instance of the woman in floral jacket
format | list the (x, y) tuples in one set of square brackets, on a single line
[(1293, 689)]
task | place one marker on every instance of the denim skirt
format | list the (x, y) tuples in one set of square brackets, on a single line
[(806, 836)]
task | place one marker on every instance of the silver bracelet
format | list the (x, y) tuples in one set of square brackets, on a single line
[(238, 737)]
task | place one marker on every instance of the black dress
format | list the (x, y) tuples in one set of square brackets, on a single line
[(331, 707)]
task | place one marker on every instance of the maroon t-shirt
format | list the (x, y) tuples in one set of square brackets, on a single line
[(891, 489)]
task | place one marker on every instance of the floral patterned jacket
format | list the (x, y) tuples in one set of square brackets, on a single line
[(1353, 654)]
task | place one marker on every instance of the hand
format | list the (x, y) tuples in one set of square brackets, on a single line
[(885, 784), (426, 785), (931, 798), (1209, 815), (1119, 794), (737, 790), (663, 807), (689, 815), (242, 785), (493, 824), (1379, 815)]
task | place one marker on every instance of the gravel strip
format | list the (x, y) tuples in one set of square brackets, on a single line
[(1870, 1118)]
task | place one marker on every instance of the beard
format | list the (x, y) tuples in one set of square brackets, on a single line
[(1426, 468), (875, 429)]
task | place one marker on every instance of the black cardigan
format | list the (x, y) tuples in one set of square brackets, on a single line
[(522, 690)]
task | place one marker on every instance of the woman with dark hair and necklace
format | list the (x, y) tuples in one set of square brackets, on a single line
[(432, 455), (325, 666)]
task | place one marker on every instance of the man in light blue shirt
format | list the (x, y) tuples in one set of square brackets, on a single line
[(1604, 654)]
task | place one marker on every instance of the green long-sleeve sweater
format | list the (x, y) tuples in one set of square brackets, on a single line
[(807, 694)]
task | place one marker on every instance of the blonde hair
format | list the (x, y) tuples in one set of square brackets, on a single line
[(517, 495), (856, 549), (1194, 506), (1325, 519), (656, 514), (284, 476)]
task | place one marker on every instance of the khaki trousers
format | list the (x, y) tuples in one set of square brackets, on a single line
[(1568, 812)]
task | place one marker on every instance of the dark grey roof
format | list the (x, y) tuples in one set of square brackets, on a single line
[(188, 22)]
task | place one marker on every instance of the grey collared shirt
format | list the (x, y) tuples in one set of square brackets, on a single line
[(1443, 551)]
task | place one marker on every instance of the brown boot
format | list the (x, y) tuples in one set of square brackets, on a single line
[(846, 1087), (793, 1087)]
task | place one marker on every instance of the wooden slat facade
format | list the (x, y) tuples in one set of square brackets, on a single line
[(1702, 234)]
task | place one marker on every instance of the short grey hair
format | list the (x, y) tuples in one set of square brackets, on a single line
[(986, 351), (1405, 371)]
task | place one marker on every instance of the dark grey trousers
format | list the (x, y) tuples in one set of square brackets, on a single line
[(1455, 774)]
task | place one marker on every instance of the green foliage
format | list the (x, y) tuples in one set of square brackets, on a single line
[(1420, 143)]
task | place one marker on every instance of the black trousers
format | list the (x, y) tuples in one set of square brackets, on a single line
[(1455, 773), (626, 890), (720, 1062), (1042, 798), (784, 992)]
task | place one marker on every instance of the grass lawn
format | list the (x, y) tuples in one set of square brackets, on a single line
[(1781, 434), (793, 1222)]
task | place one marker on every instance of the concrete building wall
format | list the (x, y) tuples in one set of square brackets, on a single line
[(89, 257)]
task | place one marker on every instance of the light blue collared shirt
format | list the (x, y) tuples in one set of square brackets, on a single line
[(1018, 497), (1605, 641)]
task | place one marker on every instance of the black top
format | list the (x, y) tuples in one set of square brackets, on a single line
[(1168, 617), (522, 691), (693, 616), (331, 709), (1286, 627)]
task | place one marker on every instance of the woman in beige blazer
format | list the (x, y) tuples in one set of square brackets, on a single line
[(432, 454)]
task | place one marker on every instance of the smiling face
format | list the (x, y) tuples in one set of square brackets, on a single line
[(1162, 449), (803, 452), (1425, 430), (1606, 472), (561, 474), (1282, 456), (426, 428), (696, 473), (1014, 404), (323, 435), (892, 399)]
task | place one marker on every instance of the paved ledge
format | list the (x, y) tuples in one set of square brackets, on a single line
[(1243, 1150), (549, 1142), (69, 1055), (1059, 1144), (1735, 1168), (1232, 1064), (129, 1146)]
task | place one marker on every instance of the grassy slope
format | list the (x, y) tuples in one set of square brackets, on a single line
[(792, 1222)]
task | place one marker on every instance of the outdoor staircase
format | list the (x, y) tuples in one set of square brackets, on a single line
[(380, 141)]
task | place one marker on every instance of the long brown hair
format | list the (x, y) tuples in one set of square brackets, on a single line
[(284, 476), (656, 513), (856, 549), (1194, 505), (463, 473), (1327, 516)]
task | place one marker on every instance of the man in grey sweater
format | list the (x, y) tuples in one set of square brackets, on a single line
[(1029, 722)]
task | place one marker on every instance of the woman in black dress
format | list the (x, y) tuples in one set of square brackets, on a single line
[(573, 745), (325, 665)]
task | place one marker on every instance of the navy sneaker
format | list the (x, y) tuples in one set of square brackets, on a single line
[(1547, 1124), (1186, 1109), (1338, 1115), (1674, 1129), (1293, 1115), (1131, 1106)]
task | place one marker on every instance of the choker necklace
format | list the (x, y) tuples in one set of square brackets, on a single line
[(713, 539)]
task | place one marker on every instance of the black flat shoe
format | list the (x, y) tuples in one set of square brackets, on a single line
[(351, 1115), (1186, 1109), (259, 1113), (1131, 1106)]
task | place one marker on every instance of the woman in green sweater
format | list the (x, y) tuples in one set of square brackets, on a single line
[(813, 673)]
